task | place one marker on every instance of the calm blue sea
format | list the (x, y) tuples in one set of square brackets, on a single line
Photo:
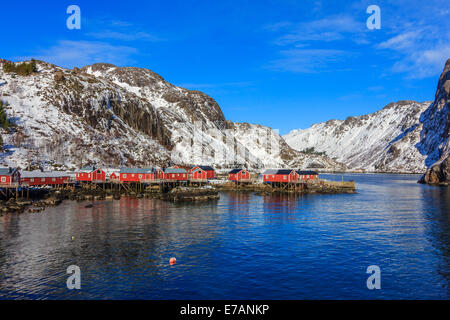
[(243, 246)]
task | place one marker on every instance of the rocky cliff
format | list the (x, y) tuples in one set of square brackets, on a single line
[(435, 135)]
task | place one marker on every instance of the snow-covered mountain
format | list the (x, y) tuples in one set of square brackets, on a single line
[(381, 141), (113, 116), (405, 136)]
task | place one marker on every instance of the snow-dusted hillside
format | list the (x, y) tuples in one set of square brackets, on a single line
[(265, 144), (113, 116), (68, 122), (381, 141)]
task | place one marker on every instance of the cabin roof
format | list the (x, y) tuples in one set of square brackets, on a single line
[(270, 171), (306, 172), (87, 169), (136, 170), (44, 174), (206, 168), (7, 171), (284, 171), (110, 171), (175, 170), (235, 171), (278, 171)]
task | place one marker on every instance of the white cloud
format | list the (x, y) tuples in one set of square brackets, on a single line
[(424, 63), (420, 51), (307, 44), (277, 26), (124, 36), (80, 53), (401, 41), (328, 29), (307, 60), (108, 28)]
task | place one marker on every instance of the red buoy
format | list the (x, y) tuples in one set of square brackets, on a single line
[(172, 260)]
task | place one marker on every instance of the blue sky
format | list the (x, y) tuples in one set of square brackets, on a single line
[(284, 64)]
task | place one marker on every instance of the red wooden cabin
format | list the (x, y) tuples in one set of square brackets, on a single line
[(159, 174), (198, 174), (210, 172), (175, 174), (42, 178), (307, 175), (280, 175), (113, 176), (137, 174), (238, 175), (9, 176), (91, 174)]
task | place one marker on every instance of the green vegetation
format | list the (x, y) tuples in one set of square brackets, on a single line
[(313, 151), (4, 122), (23, 69)]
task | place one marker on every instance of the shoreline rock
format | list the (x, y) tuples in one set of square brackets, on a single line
[(184, 194), (50, 198), (325, 187), (438, 174)]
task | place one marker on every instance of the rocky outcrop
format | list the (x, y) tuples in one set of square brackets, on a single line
[(438, 174), (435, 140)]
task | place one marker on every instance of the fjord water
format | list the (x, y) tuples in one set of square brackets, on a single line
[(243, 246)]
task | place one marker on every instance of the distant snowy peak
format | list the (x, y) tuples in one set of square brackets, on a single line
[(269, 146), (381, 141)]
